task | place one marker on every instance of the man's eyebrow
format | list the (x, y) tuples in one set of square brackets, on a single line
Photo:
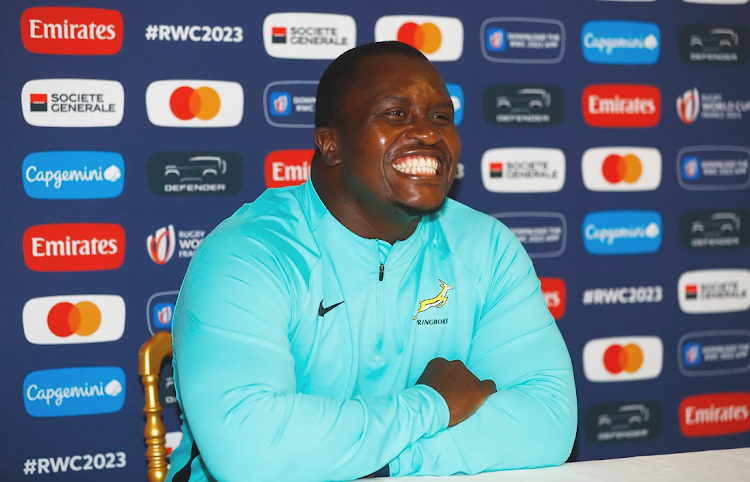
[(399, 98)]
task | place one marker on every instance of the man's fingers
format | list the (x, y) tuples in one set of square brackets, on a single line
[(489, 385)]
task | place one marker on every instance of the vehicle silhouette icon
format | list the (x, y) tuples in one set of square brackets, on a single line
[(196, 169), (626, 417), (717, 225), (716, 40), (524, 101)]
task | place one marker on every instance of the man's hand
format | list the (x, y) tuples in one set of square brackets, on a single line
[(462, 390)]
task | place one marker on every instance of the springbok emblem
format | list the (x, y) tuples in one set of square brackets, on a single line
[(435, 302)]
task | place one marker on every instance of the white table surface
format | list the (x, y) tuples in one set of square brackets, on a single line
[(711, 466)]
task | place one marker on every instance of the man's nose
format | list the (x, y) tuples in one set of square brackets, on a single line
[(423, 130)]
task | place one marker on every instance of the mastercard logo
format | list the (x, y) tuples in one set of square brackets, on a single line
[(622, 359), (621, 168), (438, 38), (625, 168), (195, 103), (82, 318), (426, 37), (55, 320), (188, 103), (628, 358)]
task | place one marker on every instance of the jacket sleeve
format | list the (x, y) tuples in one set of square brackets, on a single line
[(236, 382), (531, 420)]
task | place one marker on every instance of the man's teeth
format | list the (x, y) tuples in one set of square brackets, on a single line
[(417, 165)]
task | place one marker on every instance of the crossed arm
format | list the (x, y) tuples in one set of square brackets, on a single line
[(237, 387)]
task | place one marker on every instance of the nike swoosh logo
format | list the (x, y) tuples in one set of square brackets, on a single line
[(322, 311)]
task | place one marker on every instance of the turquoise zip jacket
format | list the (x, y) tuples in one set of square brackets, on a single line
[(297, 345)]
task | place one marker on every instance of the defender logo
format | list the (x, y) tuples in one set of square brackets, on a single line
[(623, 422), (436, 302), (523, 105), (715, 229), (713, 44), (195, 173)]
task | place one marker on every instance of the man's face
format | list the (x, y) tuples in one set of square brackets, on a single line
[(397, 142)]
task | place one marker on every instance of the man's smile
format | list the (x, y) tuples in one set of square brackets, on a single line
[(417, 165)]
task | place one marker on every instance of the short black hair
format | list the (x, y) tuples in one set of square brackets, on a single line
[(341, 74)]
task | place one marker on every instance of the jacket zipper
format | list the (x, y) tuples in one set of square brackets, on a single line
[(380, 322)]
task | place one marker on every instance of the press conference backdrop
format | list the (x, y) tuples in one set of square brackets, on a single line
[(611, 136)]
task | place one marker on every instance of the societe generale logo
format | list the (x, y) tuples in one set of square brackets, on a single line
[(555, 295), (715, 414), (71, 30), (308, 35), (195, 103), (74, 247), (621, 105), (714, 291), (288, 168), (438, 38), (58, 320), (621, 168), (623, 358), (72, 102)]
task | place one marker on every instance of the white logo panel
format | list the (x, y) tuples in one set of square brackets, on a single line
[(621, 168), (714, 291), (519, 170), (438, 38), (74, 319), (308, 35), (623, 358), (72, 102), (195, 103)]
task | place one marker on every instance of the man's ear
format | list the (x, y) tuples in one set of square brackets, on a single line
[(325, 140)]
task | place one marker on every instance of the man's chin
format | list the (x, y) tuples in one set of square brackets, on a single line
[(417, 211)]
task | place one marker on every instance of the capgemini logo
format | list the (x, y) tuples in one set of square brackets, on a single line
[(160, 245), (688, 106)]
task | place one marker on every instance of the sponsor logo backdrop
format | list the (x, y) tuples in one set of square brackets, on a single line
[(611, 137)]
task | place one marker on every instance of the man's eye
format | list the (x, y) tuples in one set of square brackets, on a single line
[(396, 112)]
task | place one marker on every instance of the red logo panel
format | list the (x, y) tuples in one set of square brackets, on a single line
[(715, 414), (288, 168), (74, 247), (621, 105), (71, 30), (555, 294)]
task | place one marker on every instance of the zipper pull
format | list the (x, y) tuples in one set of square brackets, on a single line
[(382, 271)]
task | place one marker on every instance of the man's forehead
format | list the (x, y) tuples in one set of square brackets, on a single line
[(384, 72)]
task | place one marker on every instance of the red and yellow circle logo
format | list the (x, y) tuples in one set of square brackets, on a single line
[(426, 37), (628, 358), (83, 319), (187, 103), (625, 168)]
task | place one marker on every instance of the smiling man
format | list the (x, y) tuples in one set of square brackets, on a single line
[(314, 327)]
